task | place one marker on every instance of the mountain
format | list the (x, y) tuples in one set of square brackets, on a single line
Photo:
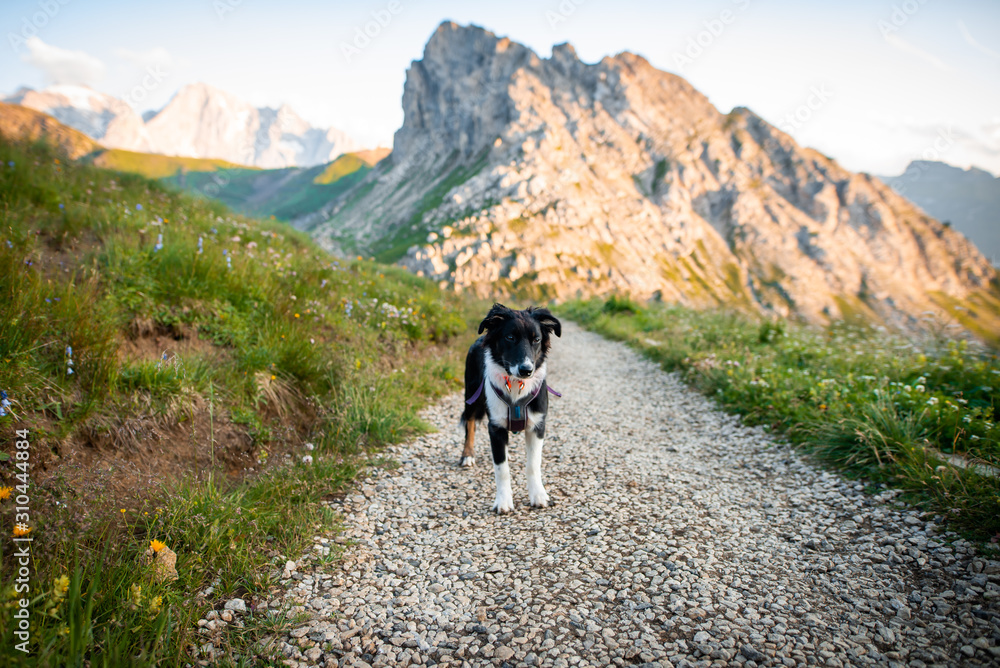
[(563, 178), (198, 122), (203, 122), (969, 199), (110, 121)]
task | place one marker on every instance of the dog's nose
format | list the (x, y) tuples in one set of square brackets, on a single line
[(525, 369)]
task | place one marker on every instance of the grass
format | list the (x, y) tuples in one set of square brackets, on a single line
[(156, 166), (221, 343), (920, 416)]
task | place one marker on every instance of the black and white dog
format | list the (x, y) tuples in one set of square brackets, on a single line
[(505, 379)]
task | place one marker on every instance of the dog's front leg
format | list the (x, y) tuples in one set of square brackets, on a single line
[(501, 470), (535, 438)]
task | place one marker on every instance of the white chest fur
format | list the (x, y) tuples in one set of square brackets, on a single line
[(495, 375)]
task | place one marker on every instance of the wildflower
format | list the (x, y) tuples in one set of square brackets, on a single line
[(61, 205), (156, 545), (135, 594), (5, 493), (159, 243), (138, 207), (60, 586), (69, 360), (932, 401), (308, 459), (10, 164), (4, 404), (10, 245), (973, 438), (21, 529), (155, 604), (920, 388), (200, 249), (322, 283)]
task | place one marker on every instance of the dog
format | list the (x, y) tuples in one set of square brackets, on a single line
[(505, 380)]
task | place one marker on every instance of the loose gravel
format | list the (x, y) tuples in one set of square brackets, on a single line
[(679, 537)]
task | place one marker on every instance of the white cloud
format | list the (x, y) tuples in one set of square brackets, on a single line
[(157, 56), (899, 43), (973, 43), (62, 66)]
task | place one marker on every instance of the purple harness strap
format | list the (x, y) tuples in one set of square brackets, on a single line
[(479, 391), (517, 417)]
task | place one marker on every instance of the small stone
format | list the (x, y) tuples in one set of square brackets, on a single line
[(236, 605), (750, 653), (503, 653)]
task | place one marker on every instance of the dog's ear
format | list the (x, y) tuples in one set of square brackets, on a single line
[(548, 321), (497, 316)]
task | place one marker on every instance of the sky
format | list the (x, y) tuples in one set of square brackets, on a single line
[(872, 84)]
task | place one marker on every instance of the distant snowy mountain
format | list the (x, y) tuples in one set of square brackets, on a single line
[(107, 119), (200, 122)]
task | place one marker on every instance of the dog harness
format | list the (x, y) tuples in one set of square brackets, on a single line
[(517, 412)]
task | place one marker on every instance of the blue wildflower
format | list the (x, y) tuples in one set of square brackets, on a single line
[(138, 207), (69, 361), (323, 283), (10, 164), (4, 403), (61, 205), (200, 241), (9, 244), (159, 243)]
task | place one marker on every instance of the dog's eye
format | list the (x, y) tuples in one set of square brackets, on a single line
[(510, 337), (537, 339)]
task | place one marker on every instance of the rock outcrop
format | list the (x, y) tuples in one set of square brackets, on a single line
[(567, 178)]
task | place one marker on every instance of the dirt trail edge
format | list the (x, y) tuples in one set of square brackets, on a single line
[(679, 537)]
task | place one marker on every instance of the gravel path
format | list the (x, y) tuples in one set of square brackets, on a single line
[(679, 537)]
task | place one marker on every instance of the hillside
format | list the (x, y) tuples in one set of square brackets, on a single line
[(968, 199), (167, 361), (29, 125), (285, 193), (563, 178)]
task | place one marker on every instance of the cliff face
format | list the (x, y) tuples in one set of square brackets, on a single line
[(511, 169)]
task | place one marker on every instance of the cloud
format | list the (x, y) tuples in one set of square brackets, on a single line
[(973, 43), (904, 46), (155, 57), (61, 66)]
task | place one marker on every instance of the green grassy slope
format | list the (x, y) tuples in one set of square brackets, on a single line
[(155, 166), (161, 353), (281, 193), (876, 405)]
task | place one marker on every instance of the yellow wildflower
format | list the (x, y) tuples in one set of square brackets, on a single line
[(5, 492), (155, 604), (60, 586), (135, 594), (21, 530), (156, 545)]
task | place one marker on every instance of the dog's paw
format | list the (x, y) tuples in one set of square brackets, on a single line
[(539, 498), (503, 504), (467, 462)]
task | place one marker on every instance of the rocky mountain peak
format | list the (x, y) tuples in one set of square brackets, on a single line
[(566, 178)]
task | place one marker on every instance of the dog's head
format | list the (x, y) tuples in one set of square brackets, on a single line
[(519, 340)]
